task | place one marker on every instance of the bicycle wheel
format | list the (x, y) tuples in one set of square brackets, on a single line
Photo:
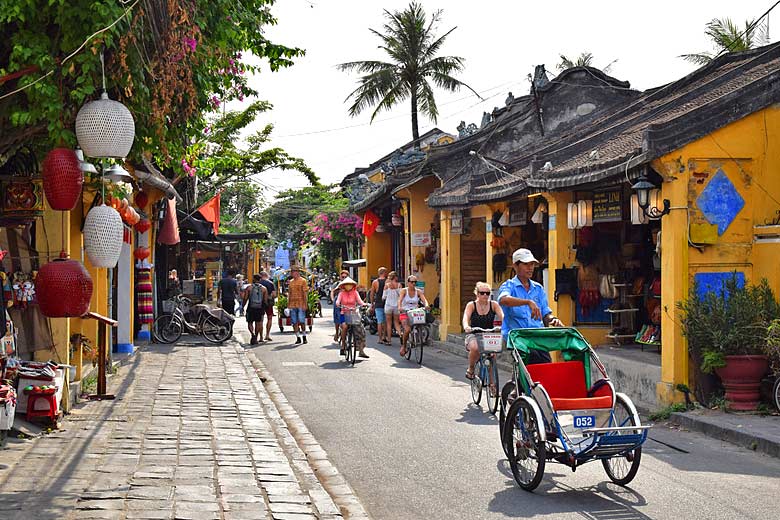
[(166, 329), (776, 393), (492, 388), (476, 383), (527, 451), (419, 347), (352, 346), (410, 344), (622, 469), (348, 345), (215, 331)]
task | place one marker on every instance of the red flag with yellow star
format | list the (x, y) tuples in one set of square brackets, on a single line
[(370, 222)]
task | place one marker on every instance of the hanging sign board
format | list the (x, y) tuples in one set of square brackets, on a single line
[(608, 206), (518, 213), (456, 223), (421, 239)]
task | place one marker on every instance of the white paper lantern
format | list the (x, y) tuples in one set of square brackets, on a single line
[(105, 128), (103, 234)]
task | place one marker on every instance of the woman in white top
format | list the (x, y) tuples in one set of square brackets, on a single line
[(390, 296), (410, 298)]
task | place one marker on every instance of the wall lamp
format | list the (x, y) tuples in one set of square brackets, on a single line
[(643, 188)]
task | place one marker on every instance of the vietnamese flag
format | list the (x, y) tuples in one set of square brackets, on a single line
[(370, 222), (210, 211)]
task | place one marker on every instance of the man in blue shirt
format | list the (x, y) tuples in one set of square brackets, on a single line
[(524, 301)]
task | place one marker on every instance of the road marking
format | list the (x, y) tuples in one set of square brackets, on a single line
[(298, 363)]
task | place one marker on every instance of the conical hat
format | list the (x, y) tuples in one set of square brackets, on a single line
[(347, 281)]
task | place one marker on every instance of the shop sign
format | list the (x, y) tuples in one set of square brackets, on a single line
[(421, 239), (456, 223), (608, 206), (518, 213)]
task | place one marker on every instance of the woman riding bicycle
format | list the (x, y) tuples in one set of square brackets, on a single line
[(348, 300), (483, 313), (410, 298)]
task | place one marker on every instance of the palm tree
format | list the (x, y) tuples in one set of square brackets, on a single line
[(585, 59), (728, 37), (409, 39)]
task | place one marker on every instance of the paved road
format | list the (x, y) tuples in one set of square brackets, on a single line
[(412, 445)]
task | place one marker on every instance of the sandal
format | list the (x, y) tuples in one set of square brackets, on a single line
[(470, 373)]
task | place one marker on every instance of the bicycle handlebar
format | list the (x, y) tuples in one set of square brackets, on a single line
[(480, 329)]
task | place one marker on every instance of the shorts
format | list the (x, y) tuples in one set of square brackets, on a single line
[(229, 306), (298, 316), (269, 311), (391, 311), (380, 315), (254, 314), (338, 318)]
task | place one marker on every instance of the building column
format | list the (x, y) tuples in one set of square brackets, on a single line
[(675, 284), (449, 293), (124, 290), (560, 252)]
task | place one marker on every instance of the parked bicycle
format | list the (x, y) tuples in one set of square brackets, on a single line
[(215, 325), (419, 334), (486, 373)]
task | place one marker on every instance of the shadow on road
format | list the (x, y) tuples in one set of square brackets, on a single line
[(475, 414)]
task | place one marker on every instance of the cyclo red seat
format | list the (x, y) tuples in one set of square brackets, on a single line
[(565, 384)]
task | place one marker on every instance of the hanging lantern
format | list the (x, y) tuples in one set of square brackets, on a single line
[(105, 128), (103, 234), (142, 253), (63, 288), (62, 179), (143, 225), (135, 217), (141, 199)]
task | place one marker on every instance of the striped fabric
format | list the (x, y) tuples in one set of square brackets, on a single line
[(143, 288)]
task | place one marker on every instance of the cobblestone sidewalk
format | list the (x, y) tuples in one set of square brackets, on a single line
[(190, 436)]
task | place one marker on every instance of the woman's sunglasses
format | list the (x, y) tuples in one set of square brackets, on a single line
[(484, 293)]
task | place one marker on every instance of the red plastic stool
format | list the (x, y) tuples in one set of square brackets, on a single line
[(50, 412)]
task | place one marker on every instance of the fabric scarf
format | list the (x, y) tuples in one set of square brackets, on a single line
[(144, 299)]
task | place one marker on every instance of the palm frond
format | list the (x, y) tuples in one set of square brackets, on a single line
[(426, 101), (364, 67), (700, 58)]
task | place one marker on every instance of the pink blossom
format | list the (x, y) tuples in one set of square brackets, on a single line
[(192, 43)]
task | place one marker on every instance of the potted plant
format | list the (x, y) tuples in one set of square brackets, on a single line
[(281, 306), (727, 334)]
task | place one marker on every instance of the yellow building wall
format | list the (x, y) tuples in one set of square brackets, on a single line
[(746, 151), (420, 219), (450, 279), (377, 251)]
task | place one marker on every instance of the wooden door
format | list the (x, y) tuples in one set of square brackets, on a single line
[(473, 268)]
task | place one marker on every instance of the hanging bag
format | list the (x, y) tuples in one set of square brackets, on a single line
[(607, 287)]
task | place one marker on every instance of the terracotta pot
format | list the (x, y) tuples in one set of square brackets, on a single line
[(741, 378)]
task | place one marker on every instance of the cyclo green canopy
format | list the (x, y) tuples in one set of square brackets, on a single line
[(568, 341)]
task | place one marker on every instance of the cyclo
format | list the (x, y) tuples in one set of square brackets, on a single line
[(559, 415)]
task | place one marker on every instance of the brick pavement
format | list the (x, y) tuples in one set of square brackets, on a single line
[(192, 435)]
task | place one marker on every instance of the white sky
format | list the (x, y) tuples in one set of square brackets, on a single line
[(501, 43)]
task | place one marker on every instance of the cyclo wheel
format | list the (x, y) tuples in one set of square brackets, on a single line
[(503, 407), (492, 388), (622, 469), (166, 329), (215, 331), (419, 347), (776, 392), (525, 449), (352, 345), (476, 383)]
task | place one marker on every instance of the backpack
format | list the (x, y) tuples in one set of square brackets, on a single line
[(256, 300)]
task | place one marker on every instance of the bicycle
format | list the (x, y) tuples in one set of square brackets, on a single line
[(418, 335), (352, 319), (486, 373), (215, 326)]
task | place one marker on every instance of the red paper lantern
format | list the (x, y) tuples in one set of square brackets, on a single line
[(142, 253), (62, 179), (141, 199), (63, 288), (143, 225)]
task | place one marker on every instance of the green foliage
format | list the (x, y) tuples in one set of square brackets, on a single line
[(585, 59), (287, 217), (281, 304), (312, 302), (729, 321), (727, 36), (663, 414), (409, 40), (773, 345), (170, 66)]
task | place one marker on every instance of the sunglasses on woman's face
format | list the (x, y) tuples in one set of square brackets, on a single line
[(411, 281), (484, 293)]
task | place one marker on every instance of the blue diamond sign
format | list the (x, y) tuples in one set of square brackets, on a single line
[(720, 201)]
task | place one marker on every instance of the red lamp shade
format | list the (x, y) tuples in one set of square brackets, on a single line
[(142, 253), (141, 199), (62, 179), (63, 288), (143, 225)]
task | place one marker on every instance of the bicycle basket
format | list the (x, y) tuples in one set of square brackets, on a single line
[(352, 317), (489, 341), (416, 316)]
